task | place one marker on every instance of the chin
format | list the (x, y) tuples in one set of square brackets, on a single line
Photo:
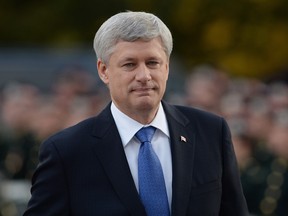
[(147, 104)]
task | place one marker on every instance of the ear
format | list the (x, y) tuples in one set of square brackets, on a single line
[(167, 69), (102, 71)]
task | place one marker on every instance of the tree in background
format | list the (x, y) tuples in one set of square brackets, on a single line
[(246, 37)]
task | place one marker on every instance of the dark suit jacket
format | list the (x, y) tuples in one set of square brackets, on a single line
[(83, 170)]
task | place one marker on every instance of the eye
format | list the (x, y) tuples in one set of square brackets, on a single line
[(129, 65), (153, 63)]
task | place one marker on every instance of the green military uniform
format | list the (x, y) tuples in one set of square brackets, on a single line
[(265, 184)]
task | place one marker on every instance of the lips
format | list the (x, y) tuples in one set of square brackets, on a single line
[(143, 91), (143, 87)]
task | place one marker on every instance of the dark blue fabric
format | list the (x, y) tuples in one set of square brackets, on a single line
[(152, 188), (83, 169)]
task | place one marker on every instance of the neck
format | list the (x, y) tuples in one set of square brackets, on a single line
[(143, 116)]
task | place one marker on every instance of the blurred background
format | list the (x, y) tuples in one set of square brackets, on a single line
[(229, 57)]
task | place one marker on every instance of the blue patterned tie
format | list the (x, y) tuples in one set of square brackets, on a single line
[(152, 188)]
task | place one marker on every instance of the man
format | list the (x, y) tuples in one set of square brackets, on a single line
[(93, 169)]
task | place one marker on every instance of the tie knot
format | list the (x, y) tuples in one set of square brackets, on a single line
[(145, 134)]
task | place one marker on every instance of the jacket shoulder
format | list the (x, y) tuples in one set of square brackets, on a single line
[(194, 114), (85, 128)]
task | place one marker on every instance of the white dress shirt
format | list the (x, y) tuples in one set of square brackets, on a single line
[(128, 127)]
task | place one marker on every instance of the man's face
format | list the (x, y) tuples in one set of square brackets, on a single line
[(136, 75)]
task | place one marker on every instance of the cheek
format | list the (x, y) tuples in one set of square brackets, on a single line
[(164, 79), (118, 85), (165, 75), (161, 75)]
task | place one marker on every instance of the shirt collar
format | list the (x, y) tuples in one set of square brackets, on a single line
[(127, 127)]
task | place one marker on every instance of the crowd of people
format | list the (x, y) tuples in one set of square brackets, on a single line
[(30, 114), (256, 112)]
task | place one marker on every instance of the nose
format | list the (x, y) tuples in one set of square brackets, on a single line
[(143, 73)]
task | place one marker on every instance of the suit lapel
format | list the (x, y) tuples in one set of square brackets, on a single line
[(182, 148), (110, 152)]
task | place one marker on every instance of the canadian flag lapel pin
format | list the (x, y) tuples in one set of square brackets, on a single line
[(183, 139)]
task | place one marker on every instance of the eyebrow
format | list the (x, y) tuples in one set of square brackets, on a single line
[(124, 60)]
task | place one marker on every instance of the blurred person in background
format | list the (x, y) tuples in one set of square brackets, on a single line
[(71, 82), (77, 95), (84, 106), (256, 113), (74, 96), (278, 138), (260, 144), (268, 128), (28, 116), (204, 87), (276, 192), (278, 96), (19, 103), (48, 118)]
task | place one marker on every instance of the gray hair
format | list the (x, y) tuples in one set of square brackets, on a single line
[(130, 26)]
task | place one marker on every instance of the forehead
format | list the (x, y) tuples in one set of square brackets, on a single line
[(139, 48)]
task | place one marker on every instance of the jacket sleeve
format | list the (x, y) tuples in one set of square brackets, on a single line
[(233, 201), (49, 187)]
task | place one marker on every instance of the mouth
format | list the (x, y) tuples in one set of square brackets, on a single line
[(143, 91)]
